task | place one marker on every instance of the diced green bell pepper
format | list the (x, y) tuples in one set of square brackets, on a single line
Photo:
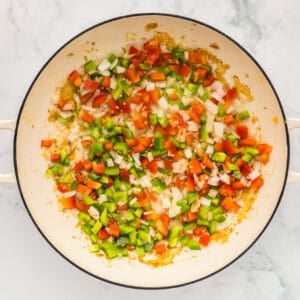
[(243, 115), (192, 197), (158, 185), (83, 217), (104, 217), (90, 67), (112, 171), (109, 249), (88, 200), (193, 245), (218, 157)]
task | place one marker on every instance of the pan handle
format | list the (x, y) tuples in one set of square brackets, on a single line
[(8, 125), (292, 124)]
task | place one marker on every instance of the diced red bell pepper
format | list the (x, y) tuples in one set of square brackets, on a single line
[(91, 84)]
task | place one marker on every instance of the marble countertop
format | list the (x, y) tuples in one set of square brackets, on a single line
[(31, 31)]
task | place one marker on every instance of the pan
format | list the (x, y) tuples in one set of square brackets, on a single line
[(60, 229)]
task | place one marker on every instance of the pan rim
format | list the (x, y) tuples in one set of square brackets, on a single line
[(45, 66)]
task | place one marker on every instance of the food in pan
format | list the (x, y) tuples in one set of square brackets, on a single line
[(155, 151)]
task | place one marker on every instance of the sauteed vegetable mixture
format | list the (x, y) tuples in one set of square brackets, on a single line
[(156, 151)]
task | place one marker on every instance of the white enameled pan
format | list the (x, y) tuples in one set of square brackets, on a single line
[(37, 192)]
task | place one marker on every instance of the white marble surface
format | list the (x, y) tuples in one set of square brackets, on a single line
[(30, 31)]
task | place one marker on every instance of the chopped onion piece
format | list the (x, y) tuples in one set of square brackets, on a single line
[(161, 84), (212, 193), (150, 156), (93, 212), (163, 103), (211, 107), (219, 129), (188, 152), (209, 149), (136, 158), (214, 181), (110, 162), (192, 126), (166, 203), (145, 181), (69, 194), (225, 178), (216, 96), (254, 174), (204, 201), (186, 55), (105, 73), (120, 70), (176, 194), (210, 122), (104, 65), (186, 100), (150, 86), (244, 181)]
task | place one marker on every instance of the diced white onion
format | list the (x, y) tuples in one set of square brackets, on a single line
[(216, 96), (214, 181), (185, 116), (209, 149), (176, 194), (174, 210), (221, 91), (120, 70), (200, 90), (230, 110), (210, 122), (192, 126), (136, 158), (166, 203), (240, 203), (105, 73), (93, 212), (212, 193), (118, 159), (244, 181), (145, 182), (150, 156), (110, 162), (163, 103), (161, 84), (254, 174), (186, 55), (150, 86), (219, 129), (188, 152), (104, 65), (102, 198), (211, 107), (204, 201), (69, 194), (225, 178), (132, 201), (195, 206), (186, 100), (66, 114), (186, 92), (125, 165)]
